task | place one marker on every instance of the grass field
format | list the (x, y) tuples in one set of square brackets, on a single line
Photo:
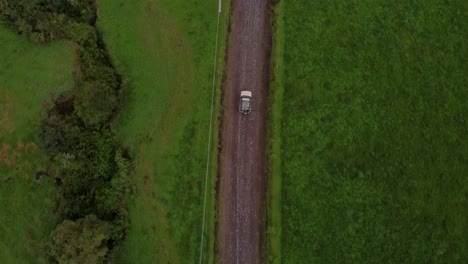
[(273, 235), (164, 49), (30, 75), (374, 142)]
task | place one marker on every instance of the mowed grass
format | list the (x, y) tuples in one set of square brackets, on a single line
[(164, 50), (374, 132), (30, 76)]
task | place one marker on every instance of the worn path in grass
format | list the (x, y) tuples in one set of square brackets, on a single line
[(243, 168), (164, 50), (30, 76)]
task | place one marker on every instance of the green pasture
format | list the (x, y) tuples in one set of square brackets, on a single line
[(374, 146), (164, 50), (30, 76)]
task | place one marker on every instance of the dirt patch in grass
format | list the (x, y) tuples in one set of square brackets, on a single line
[(10, 155), (6, 126)]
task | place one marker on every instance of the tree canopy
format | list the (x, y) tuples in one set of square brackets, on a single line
[(82, 241), (85, 156)]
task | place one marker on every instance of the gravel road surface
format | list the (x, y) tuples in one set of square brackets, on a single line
[(243, 170)]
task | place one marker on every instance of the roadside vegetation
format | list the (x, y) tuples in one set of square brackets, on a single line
[(30, 76), (374, 132), (275, 104), (85, 159), (164, 50)]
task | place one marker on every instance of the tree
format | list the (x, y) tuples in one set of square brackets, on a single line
[(95, 102), (82, 241), (60, 132), (81, 33)]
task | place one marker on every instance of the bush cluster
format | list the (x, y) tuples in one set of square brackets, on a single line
[(88, 162)]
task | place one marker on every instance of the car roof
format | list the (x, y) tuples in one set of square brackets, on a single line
[(246, 93)]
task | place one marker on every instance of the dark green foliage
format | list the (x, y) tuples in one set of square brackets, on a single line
[(82, 241), (86, 193), (46, 20), (95, 101), (94, 178), (84, 171), (60, 132), (103, 74), (374, 129), (79, 10), (83, 151), (81, 33), (110, 203)]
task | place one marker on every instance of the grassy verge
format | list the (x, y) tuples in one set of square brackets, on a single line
[(273, 240), (215, 236), (212, 216), (30, 76), (227, 12), (373, 136), (165, 49)]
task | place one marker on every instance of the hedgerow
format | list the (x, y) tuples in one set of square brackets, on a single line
[(86, 159)]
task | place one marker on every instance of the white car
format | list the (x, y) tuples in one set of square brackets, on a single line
[(245, 102)]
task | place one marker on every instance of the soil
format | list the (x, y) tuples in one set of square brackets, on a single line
[(41, 174), (243, 170)]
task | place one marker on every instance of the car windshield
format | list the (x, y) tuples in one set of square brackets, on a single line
[(245, 103)]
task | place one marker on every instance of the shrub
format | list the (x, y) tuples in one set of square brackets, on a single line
[(76, 133), (82, 241), (95, 102)]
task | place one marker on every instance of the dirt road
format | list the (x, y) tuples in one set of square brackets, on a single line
[(243, 170)]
